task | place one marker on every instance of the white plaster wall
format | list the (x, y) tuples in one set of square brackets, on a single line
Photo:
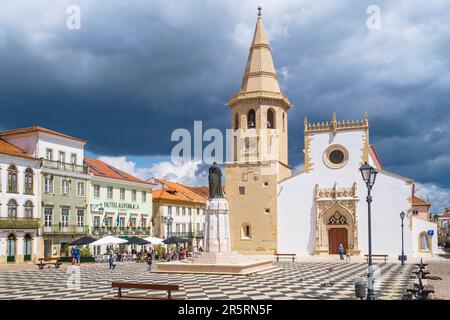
[(57, 144), (296, 203)]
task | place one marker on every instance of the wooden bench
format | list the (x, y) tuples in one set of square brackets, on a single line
[(145, 286), (377, 256), (285, 255), (48, 261)]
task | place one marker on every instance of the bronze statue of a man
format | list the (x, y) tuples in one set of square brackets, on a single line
[(215, 182)]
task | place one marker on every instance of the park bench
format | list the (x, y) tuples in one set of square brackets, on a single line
[(285, 255), (144, 286), (48, 261), (377, 256)]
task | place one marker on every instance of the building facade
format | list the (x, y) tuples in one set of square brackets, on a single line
[(421, 208), (20, 239), (119, 203), (186, 206), (62, 184), (324, 205), (259, 151)]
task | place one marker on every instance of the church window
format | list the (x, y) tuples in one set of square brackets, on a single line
[(270, 119), (284, 122), (246, 231), (335, 156), (265, 184), (251, 119), (236, 121), (266, 210), (241, 190), (337, 219)]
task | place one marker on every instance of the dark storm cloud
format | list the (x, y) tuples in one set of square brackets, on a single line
[(139, 69)]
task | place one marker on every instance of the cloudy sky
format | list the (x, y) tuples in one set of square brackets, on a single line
[(137, 70)]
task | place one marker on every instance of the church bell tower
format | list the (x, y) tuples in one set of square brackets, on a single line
[(259, 149)]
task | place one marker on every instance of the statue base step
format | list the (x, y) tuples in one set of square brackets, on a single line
[(219, 263)]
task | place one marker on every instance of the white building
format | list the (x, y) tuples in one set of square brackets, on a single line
[(325, 204), (19, 205)]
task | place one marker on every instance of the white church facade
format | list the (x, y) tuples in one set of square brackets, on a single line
[(325, 205), (311, 212)]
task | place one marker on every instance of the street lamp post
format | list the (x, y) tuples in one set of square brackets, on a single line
[(369, 174), (402, 216)]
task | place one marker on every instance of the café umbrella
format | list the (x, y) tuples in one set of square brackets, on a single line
[(138, 241), (154, 240), (174, 240), (83, 241), (108, 241)]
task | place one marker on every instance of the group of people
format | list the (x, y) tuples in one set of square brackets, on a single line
[(345, 252)]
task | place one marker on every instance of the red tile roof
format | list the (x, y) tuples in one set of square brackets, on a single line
[(203, 191), (416, 201), (102, 169), (375, 157), (177, 191), (37, 129), (9, 149)]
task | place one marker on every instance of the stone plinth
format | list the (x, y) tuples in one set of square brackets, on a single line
[(218, 257)]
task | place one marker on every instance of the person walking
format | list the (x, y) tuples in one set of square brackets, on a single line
[(348, 254), (77, 255), (341, 251), (112, 260), (72, 255), (149, 261)]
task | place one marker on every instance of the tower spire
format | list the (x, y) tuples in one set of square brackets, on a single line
[(260, 78)]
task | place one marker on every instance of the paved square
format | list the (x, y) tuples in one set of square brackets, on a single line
[(296, 280)]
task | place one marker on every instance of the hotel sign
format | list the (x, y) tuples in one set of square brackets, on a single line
[(120, 206)]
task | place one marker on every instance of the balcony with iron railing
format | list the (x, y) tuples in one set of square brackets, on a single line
[(187, 235), (60, 229), (19, 223), (120, 231), (64, 166)]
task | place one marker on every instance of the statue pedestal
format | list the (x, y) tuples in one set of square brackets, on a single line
[(217, 230), (217, 257)]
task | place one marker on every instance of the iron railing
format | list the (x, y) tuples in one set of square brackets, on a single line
[(65, 229), (52, 164), (119, 231), (19, 223)]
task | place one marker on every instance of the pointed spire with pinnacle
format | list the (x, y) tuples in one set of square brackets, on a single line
[(260, 78)]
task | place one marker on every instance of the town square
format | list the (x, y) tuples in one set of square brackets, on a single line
[(269, 197)]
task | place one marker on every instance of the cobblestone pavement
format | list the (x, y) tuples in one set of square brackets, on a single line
[(442, 287), (296, 280)]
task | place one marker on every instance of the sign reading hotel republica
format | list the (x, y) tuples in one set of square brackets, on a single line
[(120, 206)]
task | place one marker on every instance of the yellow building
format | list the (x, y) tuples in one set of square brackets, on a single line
[(260, 151)]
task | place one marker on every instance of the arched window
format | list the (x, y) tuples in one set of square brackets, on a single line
[(424, 242), (29, 181), (28, 209), (12, 179), (270, 119), (12, 208), (284, 122), (337, 218), (236, 121), (246, 231), (251, 119)]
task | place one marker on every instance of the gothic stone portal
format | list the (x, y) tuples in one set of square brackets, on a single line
[(336, 220)]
